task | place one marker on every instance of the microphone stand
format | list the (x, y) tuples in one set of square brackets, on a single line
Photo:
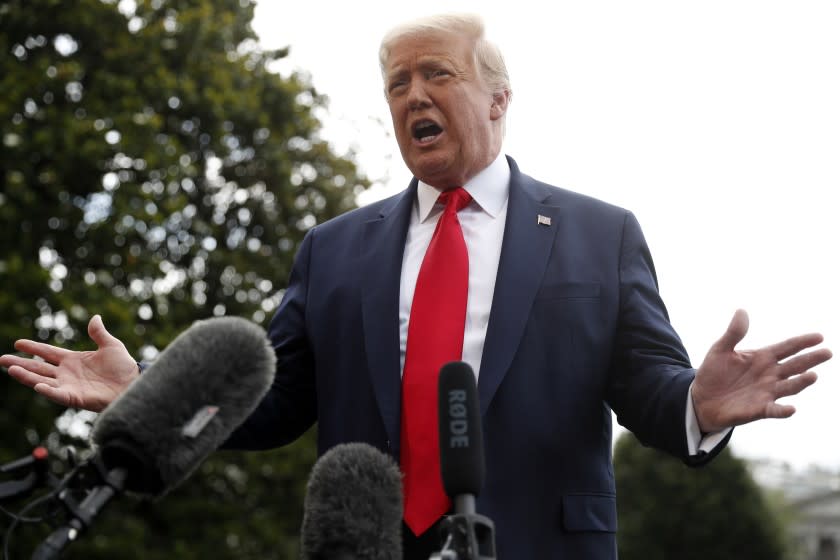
[(82, 514), (99, 484), (466, 534), (37, 474)]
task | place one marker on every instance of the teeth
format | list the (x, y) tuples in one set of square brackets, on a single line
[(426, 131)]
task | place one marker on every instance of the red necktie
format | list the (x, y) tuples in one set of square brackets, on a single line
[(435, 337)]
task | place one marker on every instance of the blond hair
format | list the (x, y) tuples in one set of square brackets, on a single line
[(488, 57)]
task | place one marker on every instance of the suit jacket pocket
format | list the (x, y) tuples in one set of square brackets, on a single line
[(590, 512), (569, 290)]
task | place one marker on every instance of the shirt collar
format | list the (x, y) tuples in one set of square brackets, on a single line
[(489, 189)]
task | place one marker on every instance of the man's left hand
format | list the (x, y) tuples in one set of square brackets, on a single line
[(735, 387)]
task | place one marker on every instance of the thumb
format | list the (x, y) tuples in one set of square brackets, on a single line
[(735, 332), (98, 333)]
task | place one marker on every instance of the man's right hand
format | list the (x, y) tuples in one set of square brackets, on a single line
[(89, 380)]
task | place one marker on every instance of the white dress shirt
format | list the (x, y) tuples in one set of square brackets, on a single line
[(483, 224)]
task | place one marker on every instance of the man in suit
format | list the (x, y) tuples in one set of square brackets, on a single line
[(558, 312)]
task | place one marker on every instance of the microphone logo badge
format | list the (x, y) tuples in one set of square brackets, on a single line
[(458, 424), (199, 421)]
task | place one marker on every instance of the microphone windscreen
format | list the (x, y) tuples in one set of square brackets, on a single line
[(353, 506), (461, 441), (186, 404)]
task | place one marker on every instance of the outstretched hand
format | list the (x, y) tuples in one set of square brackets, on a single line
[(735, 387), (89, 380)]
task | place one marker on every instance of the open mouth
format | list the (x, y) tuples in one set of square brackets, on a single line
[(426, 131)]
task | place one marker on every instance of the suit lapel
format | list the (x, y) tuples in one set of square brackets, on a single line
[(530, 230), (381, 256)]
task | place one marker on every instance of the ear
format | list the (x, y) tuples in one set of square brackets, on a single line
[(499, 105)]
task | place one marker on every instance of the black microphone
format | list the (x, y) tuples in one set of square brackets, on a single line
[(181, 409), (466, 534), (461, 442), (353, 506)]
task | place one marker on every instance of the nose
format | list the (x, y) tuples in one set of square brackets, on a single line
[(418, 97)]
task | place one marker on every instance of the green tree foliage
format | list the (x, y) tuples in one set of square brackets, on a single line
[(669, 511), (155, 171)]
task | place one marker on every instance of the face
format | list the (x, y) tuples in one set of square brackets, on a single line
[(447, 122)]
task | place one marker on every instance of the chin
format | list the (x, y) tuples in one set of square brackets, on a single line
[(435, 171)]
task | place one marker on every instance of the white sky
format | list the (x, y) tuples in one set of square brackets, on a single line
[(717, 123)]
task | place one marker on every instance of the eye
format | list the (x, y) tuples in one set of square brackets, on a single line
[(396, 86), (438, 73)]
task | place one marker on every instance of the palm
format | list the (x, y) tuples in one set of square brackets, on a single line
[(735, 387), (89, 380)]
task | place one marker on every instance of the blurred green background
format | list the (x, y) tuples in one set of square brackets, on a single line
[(155, 172)]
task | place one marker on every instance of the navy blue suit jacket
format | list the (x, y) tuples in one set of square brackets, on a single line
[(577, 328)]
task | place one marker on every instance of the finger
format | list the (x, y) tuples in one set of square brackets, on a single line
[(795, 385), (798, 364), (776, 410), (39, 367), (735, 332), (29, 378), (52, 354), (791, 346), (55, 394), (99, 334)]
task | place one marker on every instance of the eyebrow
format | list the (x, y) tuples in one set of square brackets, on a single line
[(424, 63)]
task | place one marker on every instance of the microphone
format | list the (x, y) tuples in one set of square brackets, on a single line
[(461, 442), (186, 404), (353, 506), (467, 535), (181, 409)]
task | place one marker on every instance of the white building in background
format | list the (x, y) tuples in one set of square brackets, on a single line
[(814, 496), (816, 527)]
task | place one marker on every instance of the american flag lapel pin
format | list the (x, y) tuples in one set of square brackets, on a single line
[(543, 220)]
